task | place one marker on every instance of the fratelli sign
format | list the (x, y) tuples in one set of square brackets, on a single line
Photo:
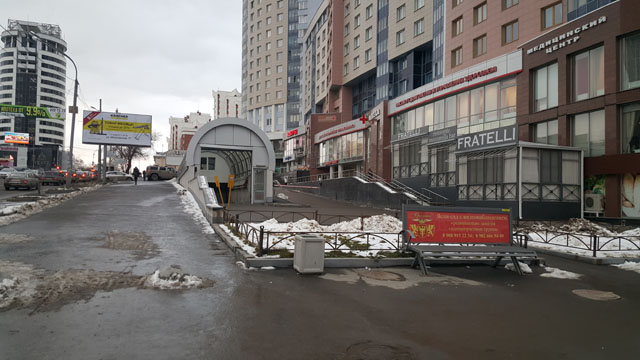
[(488, 139), (568, 38)]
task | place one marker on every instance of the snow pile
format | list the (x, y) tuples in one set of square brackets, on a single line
[(629, 265), (190, 206), (17, 212), (373, 224), (524, 267), (6, 287), (560, 274), (282, 196), (244, 246), (173, 281)]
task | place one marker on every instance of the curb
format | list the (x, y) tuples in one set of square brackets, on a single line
[(586, 259)]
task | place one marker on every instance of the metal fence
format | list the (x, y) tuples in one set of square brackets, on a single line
[(589, 242)]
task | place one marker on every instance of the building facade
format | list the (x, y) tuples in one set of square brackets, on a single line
[(227, 104), (182, 129), (580, 87), (33, 74)]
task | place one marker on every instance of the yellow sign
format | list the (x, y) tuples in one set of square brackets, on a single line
[(215, 178), (95, 126)]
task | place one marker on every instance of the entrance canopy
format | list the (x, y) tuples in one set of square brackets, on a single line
[(244, 149)]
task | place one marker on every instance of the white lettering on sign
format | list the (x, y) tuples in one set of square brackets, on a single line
[(487, 138), (568, 38)]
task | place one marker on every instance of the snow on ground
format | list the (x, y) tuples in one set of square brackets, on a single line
[(175, 281), (13, 213), (629, 265), (560, 274), (190, 206), (524, 267)]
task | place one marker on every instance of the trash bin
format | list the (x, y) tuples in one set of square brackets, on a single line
[(308, 257)]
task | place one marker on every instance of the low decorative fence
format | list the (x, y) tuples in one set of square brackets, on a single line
[(285, 216), (589, 242)]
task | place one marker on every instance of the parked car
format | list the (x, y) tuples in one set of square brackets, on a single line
[(52, 178), (5, 172), (21, 180), (160, 173), (118, 176)]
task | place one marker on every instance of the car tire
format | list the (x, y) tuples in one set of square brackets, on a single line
[(154, 177), (7, 188)]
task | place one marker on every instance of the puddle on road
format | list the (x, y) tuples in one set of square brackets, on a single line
[(14, 238), (372, 351), (137, 242), (398, 279), (22, 286)]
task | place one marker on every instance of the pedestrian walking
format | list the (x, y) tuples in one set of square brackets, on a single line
[(144, 175), (136, 174)]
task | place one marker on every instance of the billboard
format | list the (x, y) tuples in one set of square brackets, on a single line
[(16, 138), (462, 225), (116, 128)]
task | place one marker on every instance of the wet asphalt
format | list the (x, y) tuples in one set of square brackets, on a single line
[(279, 314)]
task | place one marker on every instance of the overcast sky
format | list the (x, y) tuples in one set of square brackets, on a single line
[(156, 57)]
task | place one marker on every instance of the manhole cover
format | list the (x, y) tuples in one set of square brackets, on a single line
[(372, 351), (596, 294), (382, 275)]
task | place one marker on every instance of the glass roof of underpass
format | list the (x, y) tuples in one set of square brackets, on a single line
[(239, 161)]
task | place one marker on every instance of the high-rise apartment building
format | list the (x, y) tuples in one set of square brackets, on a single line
[(182, 129), (227, 104), (33, 74)]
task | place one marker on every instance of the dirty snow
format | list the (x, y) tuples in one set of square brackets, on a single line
[(560, 274), (190, 206), (267, 268), (13, 213), (524, 267), (629, 265), (282, 196), (175, 281)]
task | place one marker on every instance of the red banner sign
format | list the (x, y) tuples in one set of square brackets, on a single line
[(458, 227)]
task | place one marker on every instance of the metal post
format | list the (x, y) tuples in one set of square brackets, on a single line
[(595, 244), (100, 152), (73, 121), (260, 240)]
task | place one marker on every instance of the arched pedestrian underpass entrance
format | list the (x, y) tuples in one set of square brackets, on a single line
[(231, 146)]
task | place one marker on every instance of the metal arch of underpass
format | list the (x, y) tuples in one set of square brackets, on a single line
[(239, 161)]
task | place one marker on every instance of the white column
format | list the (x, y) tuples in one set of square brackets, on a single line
[(340, 169), (332, 172)]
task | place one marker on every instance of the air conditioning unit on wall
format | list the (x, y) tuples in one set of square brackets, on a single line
[(594, 202)]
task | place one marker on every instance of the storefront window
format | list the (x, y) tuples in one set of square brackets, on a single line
[(587, 132), (508, 99), (546, 132), (588, 74), (630, 128), (630, 61), (463, 109), (428, 115), (477, 106), (491, 102), (546, 87), (438, 115), (400, 123)]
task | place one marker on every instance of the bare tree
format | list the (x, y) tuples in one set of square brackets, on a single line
[(129, 153)]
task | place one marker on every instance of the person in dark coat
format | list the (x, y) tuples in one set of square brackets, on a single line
[(136, 174)]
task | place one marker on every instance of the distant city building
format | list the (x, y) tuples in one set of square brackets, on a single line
[(183, 128), (227, 104), (33, 73)]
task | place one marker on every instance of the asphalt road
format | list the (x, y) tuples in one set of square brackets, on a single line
[(473, 312)]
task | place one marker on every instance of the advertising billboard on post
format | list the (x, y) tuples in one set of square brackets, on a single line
[(459, 225), (110, 128), (16, 138)]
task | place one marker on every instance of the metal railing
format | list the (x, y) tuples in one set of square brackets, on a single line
[(398, 187), (588, 242)]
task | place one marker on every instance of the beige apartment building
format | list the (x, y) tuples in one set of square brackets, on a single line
[(479, 30)]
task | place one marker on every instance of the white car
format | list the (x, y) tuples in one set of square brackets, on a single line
[(118, 176), (6, 172)]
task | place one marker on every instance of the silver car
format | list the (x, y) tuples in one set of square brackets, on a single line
[(118, 176), (22, 180)]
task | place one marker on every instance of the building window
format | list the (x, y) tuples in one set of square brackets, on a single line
[(418, 27), (418, 4), (455, 3), (401, 12), (367, 56), (369, 11), (630, 128), (546, 132), (480, 45), (400, 37), (356, 42), (456, 57), (508, 3), (347, 9), (545, 87), (587, 132), (356, 62), (346, 49), (588, 74), (356, 21), (457, 26), (346, 29), (280, 17), (630, 61), (346, 69), (480, 13), (510, 32), (368, 34), (551, 15)]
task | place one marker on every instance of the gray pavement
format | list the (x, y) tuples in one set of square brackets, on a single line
[(473, 312)]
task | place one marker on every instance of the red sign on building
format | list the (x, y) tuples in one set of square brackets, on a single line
[(458, 227)]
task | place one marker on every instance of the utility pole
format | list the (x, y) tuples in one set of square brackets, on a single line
[(100, 151), (74, 110)]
